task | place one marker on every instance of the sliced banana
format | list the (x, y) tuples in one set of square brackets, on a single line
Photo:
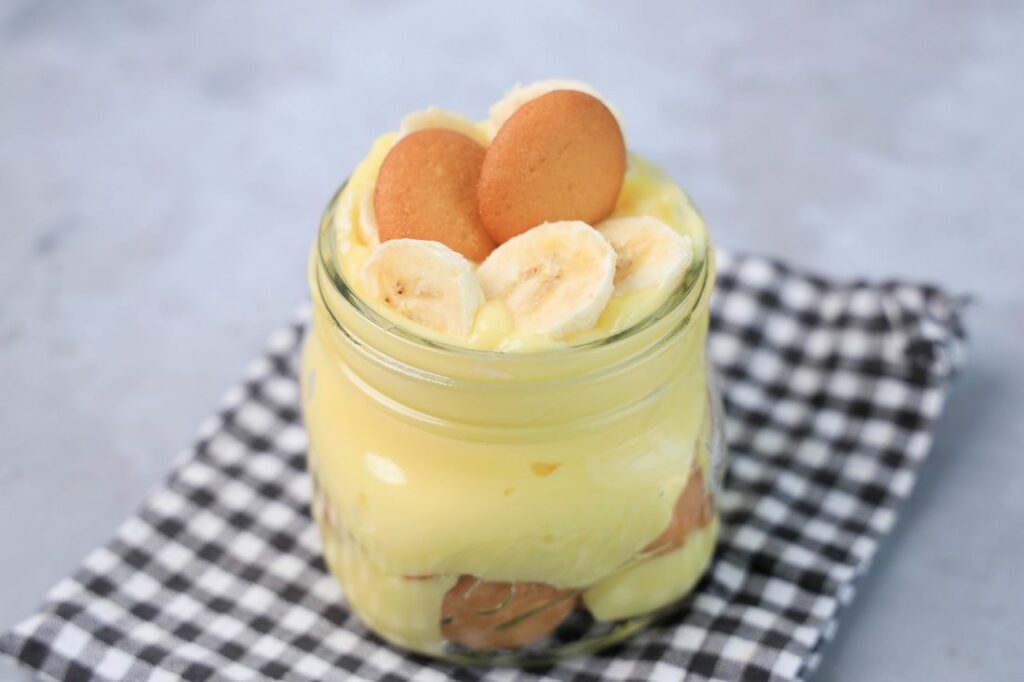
[(521, 94), (555, 279), (650, 254), (435, 117), (368, 230), (426, 282)]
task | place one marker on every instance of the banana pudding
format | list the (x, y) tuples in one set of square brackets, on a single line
[(514, 439)]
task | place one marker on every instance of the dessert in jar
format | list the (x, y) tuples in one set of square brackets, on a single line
[(514, 439)]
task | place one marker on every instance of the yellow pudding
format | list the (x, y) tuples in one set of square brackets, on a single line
[(386, 475), (547, 461), (406, 610), (650, 584)]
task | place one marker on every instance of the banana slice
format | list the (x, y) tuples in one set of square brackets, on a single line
[(650, 253), (368, 231), (436, 117), (426, 282), (555, 279), (521, 94)]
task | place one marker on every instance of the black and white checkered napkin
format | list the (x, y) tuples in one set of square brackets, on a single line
[(831, 392)]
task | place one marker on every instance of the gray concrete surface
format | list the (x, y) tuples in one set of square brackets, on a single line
[(163, 165)]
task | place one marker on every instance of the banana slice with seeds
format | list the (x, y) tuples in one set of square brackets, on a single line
[(555, 279), (426, 282), (650, 253)]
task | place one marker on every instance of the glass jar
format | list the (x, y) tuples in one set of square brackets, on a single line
[(504, 508)]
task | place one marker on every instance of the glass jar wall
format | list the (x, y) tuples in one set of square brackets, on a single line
[(511, 508)]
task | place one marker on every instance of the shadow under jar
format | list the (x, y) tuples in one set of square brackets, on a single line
[(504, 508)]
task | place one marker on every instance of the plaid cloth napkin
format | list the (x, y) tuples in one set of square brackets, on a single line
[(831, 391)]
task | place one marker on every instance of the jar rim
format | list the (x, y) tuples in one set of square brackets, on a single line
[(695, 279)]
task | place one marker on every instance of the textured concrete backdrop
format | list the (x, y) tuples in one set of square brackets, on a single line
[(163, 166)]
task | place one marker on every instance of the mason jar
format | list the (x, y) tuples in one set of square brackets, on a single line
[(511, 508)]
